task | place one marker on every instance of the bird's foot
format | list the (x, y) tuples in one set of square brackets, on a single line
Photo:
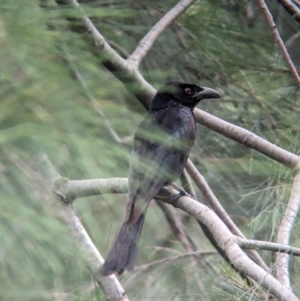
[(182, 191), (177, 196)]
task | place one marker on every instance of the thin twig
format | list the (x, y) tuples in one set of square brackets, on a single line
[(289, 43), (121, 49), (269, 246), (90, 96), (279, 41), (284, 231), (172, 258), (187, 184), (146, 43), (176, 226), (183, 236)]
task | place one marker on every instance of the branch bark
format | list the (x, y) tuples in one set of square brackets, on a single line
[(269, 246), (218, 208), (284, 231), (146, 43), (110, 286), (124, 71), (292, 8), (143, 91), (279, 41), (135, 83), (226, 240), (248, 139)]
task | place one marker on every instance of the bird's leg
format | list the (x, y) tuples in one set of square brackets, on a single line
[(175, 197), (181, 190)]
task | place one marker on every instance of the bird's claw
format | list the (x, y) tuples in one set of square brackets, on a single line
[(177, 196)]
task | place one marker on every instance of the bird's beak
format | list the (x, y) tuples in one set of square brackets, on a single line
[(207, 93)]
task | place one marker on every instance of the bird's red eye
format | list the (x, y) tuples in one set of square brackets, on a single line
[(188, 91)]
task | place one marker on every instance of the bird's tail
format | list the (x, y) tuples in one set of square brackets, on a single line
[(122, 254)]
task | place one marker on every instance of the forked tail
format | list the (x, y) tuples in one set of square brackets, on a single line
[(122, 254)]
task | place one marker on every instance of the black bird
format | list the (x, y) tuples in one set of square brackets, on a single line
[(160, 151)]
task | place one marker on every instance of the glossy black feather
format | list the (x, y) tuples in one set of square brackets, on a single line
[(160, 151)]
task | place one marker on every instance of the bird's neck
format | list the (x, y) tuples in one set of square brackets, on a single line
[(162, 101)]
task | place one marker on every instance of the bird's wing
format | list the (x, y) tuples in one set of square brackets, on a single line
[(158, 158)]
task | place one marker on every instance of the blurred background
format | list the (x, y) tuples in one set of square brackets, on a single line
[(56, 98)]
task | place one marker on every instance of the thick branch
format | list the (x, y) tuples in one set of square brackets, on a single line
[(146, 43), (279, 41), (292, 7), (226, 240), (247, 138), (145, 92), (111, 287), (117, 65), (284, 231), (218, 208), (71, 190)]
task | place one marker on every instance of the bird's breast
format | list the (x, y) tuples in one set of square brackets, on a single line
[(179, 122)]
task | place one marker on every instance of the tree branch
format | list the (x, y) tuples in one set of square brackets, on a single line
[(279, 41), (146, 43), (71, 190), (226, 240), (284, 231), (124, 71), (176, 226), (292, 7), (145, 92), (248, 139), (110, 286), (136, 84), (218, 208), (269, 246), (200, 254)]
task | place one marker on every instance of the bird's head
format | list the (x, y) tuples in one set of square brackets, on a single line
[(186, 94)]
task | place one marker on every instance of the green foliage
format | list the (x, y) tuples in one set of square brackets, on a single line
[(44, 108)]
